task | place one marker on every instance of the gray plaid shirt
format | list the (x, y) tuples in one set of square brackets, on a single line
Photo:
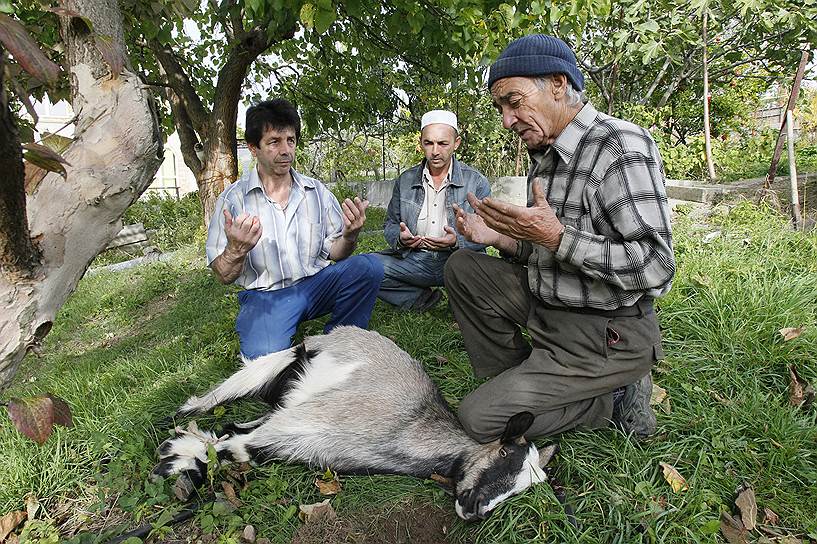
[(604, 179)]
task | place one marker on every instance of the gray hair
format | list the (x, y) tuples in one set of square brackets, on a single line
[(573, 96)]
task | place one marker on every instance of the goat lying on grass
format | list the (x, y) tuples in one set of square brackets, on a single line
[(354, 401)]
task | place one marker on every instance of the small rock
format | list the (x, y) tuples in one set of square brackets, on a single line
[(263, 541), (248, 535)]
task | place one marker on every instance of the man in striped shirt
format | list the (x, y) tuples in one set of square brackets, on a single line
[(274, 233), (583, 261)]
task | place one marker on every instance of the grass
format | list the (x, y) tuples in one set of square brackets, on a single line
[(128, 348)]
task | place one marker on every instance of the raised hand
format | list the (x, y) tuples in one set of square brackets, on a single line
[(537, 224), (449, 239), (242, 232), (407, 239), (354, 215), (472, 227)]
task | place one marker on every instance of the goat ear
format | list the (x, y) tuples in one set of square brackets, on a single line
[(546, 454), (516, 427)]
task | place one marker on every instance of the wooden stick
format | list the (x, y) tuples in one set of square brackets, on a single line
[(795, 197), (795, 91)]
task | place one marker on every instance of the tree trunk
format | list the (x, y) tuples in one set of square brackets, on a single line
[(113, 159), (220, 169), (19, 257), (710, 164)]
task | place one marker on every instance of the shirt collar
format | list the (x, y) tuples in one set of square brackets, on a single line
[(454, 175), (568, 141), (253, 181)]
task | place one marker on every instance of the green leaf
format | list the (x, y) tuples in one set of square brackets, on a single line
[(324, 19), (26, 52), (711, 527), (307, 15), (354, 8), (5, 7)]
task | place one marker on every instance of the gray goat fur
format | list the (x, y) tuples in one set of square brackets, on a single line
[(354, 401)]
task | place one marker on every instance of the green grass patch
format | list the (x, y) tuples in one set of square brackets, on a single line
[(128, 348)]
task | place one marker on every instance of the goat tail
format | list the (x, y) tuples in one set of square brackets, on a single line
[(248, 381)]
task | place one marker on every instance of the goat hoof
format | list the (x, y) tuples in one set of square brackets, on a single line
[(183, 488)]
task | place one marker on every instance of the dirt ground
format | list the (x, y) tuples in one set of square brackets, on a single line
[(403, 523)]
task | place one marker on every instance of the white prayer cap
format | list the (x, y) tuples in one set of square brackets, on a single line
[(439, 116)]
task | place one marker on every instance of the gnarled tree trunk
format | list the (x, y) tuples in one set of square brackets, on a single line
[(114, 156)]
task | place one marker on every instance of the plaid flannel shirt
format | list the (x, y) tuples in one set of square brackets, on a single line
[(604, 179)]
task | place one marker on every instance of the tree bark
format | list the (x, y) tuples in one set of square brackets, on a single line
[(19, 257), (710, 164), (214, 160), (114, 156)]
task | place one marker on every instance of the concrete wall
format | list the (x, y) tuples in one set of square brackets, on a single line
[(511, 189)]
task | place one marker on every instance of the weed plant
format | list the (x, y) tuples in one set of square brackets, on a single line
[(128, 348)]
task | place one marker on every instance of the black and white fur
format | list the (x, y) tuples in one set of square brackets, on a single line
[(355, 402)]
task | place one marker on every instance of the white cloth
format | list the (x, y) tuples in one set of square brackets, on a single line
[(433, 216), (439, 116)]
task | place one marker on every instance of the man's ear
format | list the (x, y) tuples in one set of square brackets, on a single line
[(253, 149), (558, 85), (457, 142)]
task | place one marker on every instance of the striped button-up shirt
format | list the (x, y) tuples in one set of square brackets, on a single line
[(295, 241), (604, 179)]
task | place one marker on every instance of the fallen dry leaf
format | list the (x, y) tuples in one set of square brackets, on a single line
[(35, 417), (9, 521), (323, 510), (790, 540), (732, 529), (229, 494), (770, 517), (748, 506), (801, 393), (441, 360), (665, 406), (674, 478), (330, 487), (658, 395), (790, 333)]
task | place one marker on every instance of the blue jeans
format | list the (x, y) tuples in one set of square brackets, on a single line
[(267, 320), (406, 279)]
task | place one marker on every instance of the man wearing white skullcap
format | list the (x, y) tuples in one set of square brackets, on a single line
[(420, 220)]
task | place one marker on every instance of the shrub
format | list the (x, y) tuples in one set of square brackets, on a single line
[(174, 222)]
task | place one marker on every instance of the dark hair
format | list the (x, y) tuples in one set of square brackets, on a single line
[(275, 114)]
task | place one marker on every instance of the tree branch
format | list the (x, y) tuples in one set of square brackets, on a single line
[(656, 81), (183, 87), (187, 135)]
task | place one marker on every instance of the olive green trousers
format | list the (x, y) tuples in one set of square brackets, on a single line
[(565, 374)]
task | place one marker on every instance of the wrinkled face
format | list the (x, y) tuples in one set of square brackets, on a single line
[(439, 141), (275, 152), (503, 470), (536, 115)]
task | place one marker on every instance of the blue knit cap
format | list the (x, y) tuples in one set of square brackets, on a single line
[(536, 55)]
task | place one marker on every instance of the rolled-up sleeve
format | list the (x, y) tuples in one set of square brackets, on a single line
[(333, 215)]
